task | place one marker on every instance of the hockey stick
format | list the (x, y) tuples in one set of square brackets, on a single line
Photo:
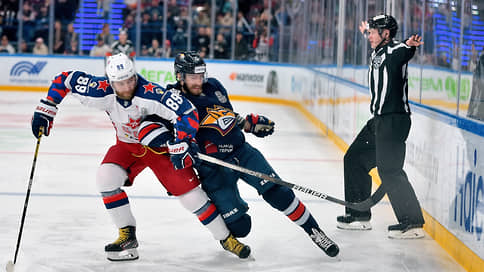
[(11, 265), (360, 206)]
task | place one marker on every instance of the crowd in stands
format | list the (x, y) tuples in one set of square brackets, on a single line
[(35, 18), (253, 41), (250, 40)]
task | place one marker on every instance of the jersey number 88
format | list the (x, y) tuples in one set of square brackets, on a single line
[(174, 101)]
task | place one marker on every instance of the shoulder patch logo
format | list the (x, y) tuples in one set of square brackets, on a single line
[(103, 84), (220, 119), (149, 87), (222, 98)]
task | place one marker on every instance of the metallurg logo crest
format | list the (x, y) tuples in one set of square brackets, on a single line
[(219, 118)]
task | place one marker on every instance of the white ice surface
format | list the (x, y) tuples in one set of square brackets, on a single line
[(67, 226)]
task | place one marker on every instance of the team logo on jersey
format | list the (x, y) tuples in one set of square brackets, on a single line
[(133, 123), (149, 87), (222, 98), (103, 84), (219, 118), (159, 91), (377, 61)]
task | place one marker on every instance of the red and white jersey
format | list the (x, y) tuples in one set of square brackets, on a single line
[(126, 115)]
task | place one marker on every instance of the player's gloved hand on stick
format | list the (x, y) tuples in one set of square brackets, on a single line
[(259, 125), (183, 154), (43, 117)]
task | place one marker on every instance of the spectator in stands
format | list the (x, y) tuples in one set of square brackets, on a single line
[(40, 48), (123, 45), (261, 44), (146, 29), (203, 52), (9, 9), (220, 47), (202, 39), (24, 47), (59, 38), (179, 41), (155, 50), (100, 49), (71, 35), (28, 18), (225, 22), (167, 50), (242, 24), (154, 7), (226, 7), (73, 48), (104, 9), (5, 46), (106, 35), (241, 47), (65, 10), (281, 16), (202, 19), (144, 50), (473, 59), (42, 23), (476, 101), (128, 22)]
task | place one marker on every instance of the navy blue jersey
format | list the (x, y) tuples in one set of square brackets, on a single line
[(218, 134)]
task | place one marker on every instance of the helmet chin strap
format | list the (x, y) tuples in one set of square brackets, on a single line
[(383, 40)]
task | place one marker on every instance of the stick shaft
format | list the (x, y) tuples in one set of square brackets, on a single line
[(27, 196), (361, 206)]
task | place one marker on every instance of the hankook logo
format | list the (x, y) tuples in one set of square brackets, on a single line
[(258, 78)]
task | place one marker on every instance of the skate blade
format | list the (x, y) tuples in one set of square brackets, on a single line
[(416, 233), (10, 267), (125, 255), (357, 225)]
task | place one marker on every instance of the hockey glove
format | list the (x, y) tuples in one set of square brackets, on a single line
[(183, 154), (43, 117), (259, 125)]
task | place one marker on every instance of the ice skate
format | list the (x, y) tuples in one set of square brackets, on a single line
[(322, 241), (405, 231), (124, 248), (349, 222), (233, 245)]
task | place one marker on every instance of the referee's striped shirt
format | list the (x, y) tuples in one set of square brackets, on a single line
[(387, 78)]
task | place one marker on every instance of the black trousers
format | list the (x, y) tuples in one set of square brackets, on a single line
[(381, 143)]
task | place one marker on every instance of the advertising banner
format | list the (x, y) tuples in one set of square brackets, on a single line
[(39, 71)]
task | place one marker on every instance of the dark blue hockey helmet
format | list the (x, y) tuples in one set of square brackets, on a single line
[(190, 62)]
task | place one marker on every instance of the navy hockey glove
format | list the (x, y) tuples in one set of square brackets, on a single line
[(183, 154), (43, 117), (259, 125)]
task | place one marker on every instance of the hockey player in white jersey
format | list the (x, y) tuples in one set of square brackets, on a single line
[(128, 98)]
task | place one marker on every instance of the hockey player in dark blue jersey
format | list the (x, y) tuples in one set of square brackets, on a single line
[(221, 135), (128, 98)]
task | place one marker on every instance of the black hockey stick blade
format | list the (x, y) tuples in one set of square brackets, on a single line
[(360, 206)]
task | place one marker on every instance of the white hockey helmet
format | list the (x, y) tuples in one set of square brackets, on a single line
[(119, 67)]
